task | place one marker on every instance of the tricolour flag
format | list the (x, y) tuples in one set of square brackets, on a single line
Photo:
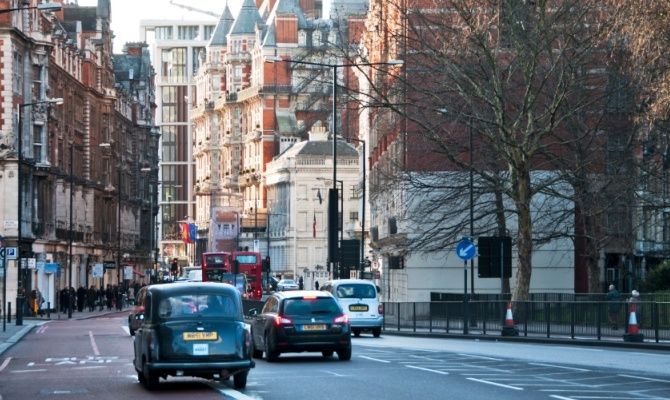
[(318, 194), (314, 227), (184, 232)]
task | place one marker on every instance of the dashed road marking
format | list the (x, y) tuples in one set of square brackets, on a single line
[(494, 383), (427, 369), (375, 359), (561, 397), (21, 371), (644, 378), (5, 363), (560, 366), (96, 351)]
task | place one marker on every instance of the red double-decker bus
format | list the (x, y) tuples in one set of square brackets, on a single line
[(221, 267), (250, 264)]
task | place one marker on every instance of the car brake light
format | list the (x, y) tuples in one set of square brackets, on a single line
[(380, 309), (309, 297), (341, 319), (281, 320)]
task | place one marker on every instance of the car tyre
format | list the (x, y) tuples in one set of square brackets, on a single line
[(344, 354), (327, 353), (240, 380), (271, 353), (356, 331), (150, 378), (376, 332)]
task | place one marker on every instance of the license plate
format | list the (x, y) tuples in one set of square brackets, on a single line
[(358, 307), (317, 327), (199, 336)]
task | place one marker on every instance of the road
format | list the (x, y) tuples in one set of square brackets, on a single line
[(92, 359)]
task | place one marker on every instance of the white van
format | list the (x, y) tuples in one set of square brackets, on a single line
[(360, 301)]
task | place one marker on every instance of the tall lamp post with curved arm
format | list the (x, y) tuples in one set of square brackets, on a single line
[(20, 295), (333, 245)]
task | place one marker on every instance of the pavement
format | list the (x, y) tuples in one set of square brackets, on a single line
[(10, 333)]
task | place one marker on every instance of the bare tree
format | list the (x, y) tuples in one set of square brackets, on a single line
[(517, 84)]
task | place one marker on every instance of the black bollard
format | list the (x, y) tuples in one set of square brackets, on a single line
[(9, 312)]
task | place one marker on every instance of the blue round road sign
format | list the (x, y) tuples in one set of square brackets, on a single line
[(466, 250)]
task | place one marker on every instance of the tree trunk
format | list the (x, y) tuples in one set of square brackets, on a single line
[(524, 235)]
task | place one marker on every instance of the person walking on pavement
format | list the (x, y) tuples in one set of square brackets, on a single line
[(91, 296), (81, 298), (614, 300)]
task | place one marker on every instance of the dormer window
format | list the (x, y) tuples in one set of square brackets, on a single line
[(302, 38), (316, 38)]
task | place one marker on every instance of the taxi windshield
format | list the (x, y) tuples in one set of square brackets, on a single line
[(206, 305)]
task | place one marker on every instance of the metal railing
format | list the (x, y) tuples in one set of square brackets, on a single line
[(550, 319)]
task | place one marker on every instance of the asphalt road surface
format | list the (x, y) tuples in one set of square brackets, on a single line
[(92, 359)]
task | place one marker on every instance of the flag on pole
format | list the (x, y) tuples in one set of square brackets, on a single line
[(318, 194), (192, 232), (184, 232), (314, 226)]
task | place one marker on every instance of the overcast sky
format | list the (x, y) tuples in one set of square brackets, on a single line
[(126, 14)]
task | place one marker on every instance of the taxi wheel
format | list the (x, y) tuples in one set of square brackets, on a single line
[(356, 331), (344, 354), (150, 378), (240, 380), (271, 353), (376, 332), (327, 353)]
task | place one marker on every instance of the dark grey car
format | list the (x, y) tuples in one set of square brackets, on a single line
[(193, 329), (301, 320)]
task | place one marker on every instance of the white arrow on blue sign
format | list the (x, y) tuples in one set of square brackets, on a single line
[(466, 250)]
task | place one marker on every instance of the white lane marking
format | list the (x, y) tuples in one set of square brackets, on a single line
[(427, 369), (639, 377), (335, 374), (5, 363), (494, 383), (27, 370), (580, 349), (236, 395), (125, 329), (375, 359), (42, 329), (561, 397), (560, 366), (480, 357), (96, 351), (425, 358), (91, 367)]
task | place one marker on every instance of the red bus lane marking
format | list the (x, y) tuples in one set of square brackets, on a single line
[(96, 351)]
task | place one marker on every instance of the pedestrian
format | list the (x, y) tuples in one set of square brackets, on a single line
[(81, 298), (301, 283), (316, 285), (634, 302), (614, 300)]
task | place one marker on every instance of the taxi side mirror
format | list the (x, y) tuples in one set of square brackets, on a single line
[(252, 312)]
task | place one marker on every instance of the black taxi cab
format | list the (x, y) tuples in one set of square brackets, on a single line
[(193, 329)]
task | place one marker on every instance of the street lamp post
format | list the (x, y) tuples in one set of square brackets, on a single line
[(69, 240), (118, 225), (153, 241), (364, 161), (20, 295), (334, 257)]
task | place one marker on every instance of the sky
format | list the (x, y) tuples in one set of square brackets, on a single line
[(126, 14)]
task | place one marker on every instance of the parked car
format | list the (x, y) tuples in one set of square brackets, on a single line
[(359, 300), (193, 329), (137, 314), (287, 284), (298, 321)]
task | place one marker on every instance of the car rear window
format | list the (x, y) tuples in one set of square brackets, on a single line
[(206, 305), (319, 305), (356, 291)]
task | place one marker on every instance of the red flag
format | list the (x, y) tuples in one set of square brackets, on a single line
[(314, 227), (185, 237)]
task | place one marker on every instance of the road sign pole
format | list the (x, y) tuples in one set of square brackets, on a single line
[(466, 305), (4, 285)]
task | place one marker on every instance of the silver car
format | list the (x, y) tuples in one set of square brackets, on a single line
[(287, 284)]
